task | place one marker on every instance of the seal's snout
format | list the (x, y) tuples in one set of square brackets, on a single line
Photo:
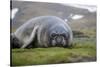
[(59, 39)]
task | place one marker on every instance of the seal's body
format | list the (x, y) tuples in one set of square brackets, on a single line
[(44, 31)]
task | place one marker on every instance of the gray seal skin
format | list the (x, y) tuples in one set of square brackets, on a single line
[(44, 31)]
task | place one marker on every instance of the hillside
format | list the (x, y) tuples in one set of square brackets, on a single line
[(28, 10)]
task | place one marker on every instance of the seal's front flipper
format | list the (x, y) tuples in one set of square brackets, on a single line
[(31, 38)]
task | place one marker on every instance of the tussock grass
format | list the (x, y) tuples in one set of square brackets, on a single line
[(82, 50)]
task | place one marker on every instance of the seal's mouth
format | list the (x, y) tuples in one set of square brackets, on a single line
[(59, 40)]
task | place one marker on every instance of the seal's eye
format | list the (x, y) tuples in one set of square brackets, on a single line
[(53, 34), (63, 35)]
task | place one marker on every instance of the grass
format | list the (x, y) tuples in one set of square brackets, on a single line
[(83, 49)]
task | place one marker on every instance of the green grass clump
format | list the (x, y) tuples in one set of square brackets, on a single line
[(82, 50)]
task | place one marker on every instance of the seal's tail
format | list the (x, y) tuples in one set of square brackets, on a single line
[(14, 42)]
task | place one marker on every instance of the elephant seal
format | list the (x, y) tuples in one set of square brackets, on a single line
[(43, 31)]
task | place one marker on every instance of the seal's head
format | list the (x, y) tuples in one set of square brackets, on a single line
[(58, 36)]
